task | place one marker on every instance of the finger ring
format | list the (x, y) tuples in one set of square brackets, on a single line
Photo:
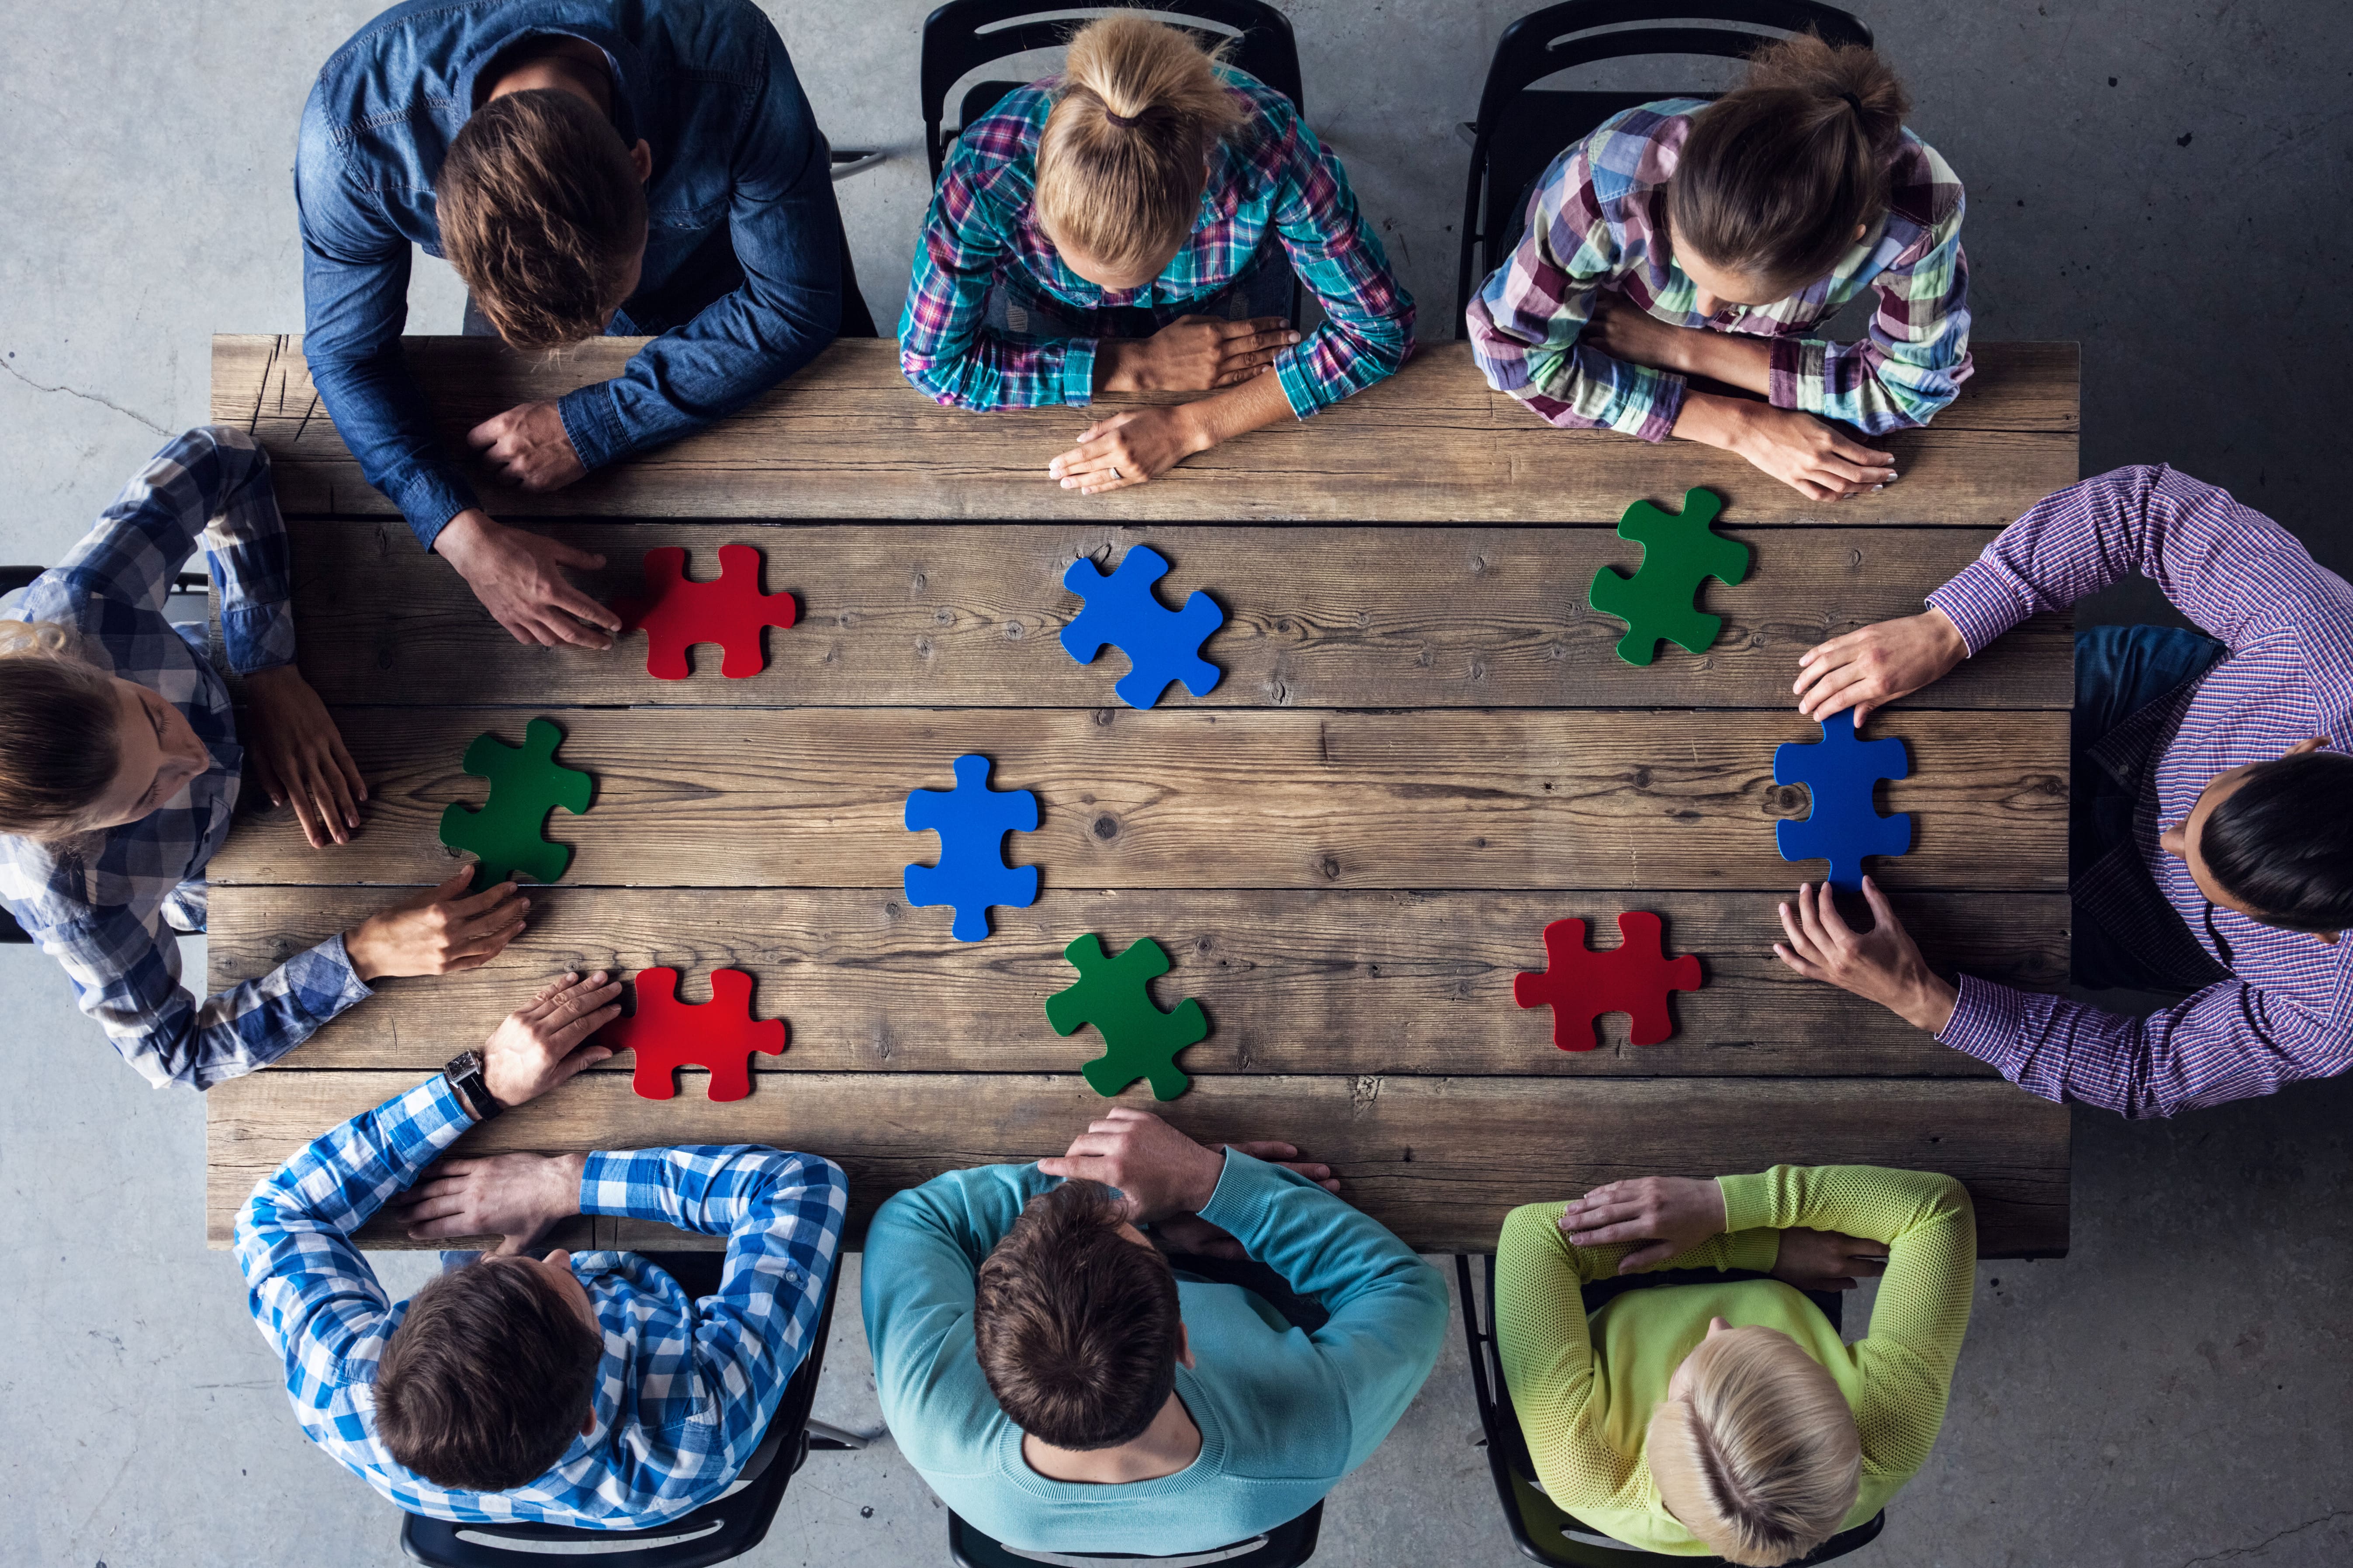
[(1115, 471)]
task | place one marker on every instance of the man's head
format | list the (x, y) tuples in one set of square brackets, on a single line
[(491, 1374), (2275, 840), (542, 205), (1075, 1320)]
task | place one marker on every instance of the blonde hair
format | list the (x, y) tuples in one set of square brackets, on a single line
[(1121, 162), (59, 747), (1761, 1460)]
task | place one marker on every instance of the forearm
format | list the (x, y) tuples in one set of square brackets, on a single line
[(382, 417), (1735, 359), (1220, 417)]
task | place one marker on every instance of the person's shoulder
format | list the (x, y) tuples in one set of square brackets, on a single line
[(1921, 187), (724, 39), (1633, 152)]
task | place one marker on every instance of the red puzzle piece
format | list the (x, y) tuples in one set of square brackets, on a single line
[(669, 1034), (1632, 978), (730, 610)]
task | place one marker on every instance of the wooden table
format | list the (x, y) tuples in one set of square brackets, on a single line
[(1423, 749)]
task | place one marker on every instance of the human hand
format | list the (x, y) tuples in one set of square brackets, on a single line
[(1192, 354), (1159, 1170), (437, 931), (519, 577), (1869, 669), (1881, 964), (540, 1045), (1128, 449), (1626, 331), (299, 757), (1806, 455), (1674, 1214), (527, 446), (1826, 1260), (516, 1197)]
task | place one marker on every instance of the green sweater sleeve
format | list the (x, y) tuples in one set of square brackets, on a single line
[(1547, 1355), (1923, 1311)]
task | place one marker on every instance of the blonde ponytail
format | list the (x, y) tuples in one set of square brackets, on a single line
[(1122, 160)]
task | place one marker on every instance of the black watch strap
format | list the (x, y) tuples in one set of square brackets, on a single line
[(464, 1075)]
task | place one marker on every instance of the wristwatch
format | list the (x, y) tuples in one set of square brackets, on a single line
[(464, 1075)]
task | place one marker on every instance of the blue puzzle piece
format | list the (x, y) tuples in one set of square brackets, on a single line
[(1161, 645), (972, 821), (1840, 771)]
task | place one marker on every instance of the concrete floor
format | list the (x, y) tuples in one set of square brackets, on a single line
[(2165, 182)]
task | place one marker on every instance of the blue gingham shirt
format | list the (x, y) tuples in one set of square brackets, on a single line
[(685, 1389), (109, 910)]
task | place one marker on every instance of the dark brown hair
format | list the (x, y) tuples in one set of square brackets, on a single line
[(488, 1378), (542, 215), (1776, 174), (1077, 1326), (58, 748), (2282, 843)]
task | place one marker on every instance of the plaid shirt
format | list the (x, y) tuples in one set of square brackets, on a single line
[(2285, 1013), (685, 1388), (108, 912), (1274, 179), (1599, 220)]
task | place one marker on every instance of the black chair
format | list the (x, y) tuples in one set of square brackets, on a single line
[(963, 36), (1519, 132), (1284, 1546), (1540, 1527), (723, 1529)]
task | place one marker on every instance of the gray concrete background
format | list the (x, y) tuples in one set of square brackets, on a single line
[(2164, 183)]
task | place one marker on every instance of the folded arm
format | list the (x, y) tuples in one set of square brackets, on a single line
[(1366, 332), (1916, 356)]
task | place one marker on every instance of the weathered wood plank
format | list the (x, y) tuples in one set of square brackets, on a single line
[(849, 439), (1202, 798), (1294, 981), (1316, 618), (1439, 1161)]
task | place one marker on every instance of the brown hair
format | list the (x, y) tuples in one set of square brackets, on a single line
[(1077, 1326), (542, 215), (1761, 1461), (59, 746), (488, 1378), (1123, 157), (1776, 174)]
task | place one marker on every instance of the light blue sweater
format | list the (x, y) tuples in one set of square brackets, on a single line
[(1283, 1414)]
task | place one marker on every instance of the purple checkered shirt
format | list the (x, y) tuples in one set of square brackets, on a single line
[(2286, 1011)]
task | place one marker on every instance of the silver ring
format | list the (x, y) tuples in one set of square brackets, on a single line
[(1115, 473)]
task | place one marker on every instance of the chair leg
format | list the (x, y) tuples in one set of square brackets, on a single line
[(826, 1434)]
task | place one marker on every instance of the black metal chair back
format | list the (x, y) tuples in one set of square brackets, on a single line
[(720, 1530), (1540, 1527), (1519, 132), (1285, 1546), (963, 36)]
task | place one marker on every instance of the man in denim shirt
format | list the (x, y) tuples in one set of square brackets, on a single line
[(739, 260)]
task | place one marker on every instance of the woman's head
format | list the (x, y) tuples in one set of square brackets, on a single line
[(1779, 176), (1754, 1448), (81, 750), (1126, 150)]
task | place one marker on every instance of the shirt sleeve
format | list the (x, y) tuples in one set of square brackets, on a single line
[(1528, 320), (1922, 1312), (1387, 1307), (1546, 1347), (781, 1215), (1916, 356), (787, 230), (1366, 332), (354, 303)]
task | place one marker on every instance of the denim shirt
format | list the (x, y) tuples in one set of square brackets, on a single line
[(737, 157)]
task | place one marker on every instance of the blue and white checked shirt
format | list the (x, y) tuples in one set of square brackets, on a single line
[(685, 1389), (107, 913)]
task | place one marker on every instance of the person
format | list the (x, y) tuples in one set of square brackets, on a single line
[(1683, 240), (1726, 1415), (1067, 1387), (2209, 852), (1133, 227), (589, 1391), (122, 763), (587, 168)]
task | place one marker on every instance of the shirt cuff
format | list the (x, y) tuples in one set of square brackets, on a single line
[(352, 990), (259, 637), (430, 499), (1666, 406), (1979, 604), (1747, 1203), (1304, 396), (1796, 365), (1988, 1021), (1247, 1191), (592, 423), (431, 1115), (1079, 372)]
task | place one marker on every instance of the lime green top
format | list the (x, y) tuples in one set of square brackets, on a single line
[(1585, 1391)]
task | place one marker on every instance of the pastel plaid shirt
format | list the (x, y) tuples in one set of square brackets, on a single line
[(1273, 180), (108, 913), (2286, 1011), (1597, 221), (685, 1389)]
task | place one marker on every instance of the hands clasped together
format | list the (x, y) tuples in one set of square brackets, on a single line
[(1166, 1177), (1664, 1216)]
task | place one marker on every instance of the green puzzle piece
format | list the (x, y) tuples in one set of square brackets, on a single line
[(1680, 552), (526, 784), (1114, 994)]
